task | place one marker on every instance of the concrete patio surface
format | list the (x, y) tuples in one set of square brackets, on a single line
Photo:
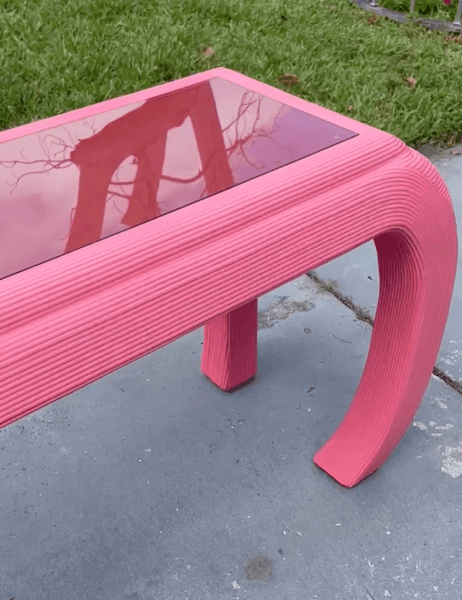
[(153, 484)]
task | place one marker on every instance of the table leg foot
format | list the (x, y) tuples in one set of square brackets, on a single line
[(229, 355)]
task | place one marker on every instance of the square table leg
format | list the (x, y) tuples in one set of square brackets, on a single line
[(229, 356)]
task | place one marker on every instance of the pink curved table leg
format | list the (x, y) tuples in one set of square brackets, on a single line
[(417, 272), (409, 325)]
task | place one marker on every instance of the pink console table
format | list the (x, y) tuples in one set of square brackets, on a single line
[(253, 187)]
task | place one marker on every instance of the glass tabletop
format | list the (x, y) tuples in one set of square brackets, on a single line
[(71, 185)]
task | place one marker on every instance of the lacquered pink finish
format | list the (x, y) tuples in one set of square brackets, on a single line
[(71, 320), (70, 185)]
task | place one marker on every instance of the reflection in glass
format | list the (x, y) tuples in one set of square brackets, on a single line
[(69, 186)]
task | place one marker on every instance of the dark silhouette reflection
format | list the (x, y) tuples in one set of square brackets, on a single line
[(142, 134), (228, 135)]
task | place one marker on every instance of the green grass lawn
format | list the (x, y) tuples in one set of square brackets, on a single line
[(57, 55)]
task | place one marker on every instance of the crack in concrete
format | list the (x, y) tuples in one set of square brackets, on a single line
[(362, 314)]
